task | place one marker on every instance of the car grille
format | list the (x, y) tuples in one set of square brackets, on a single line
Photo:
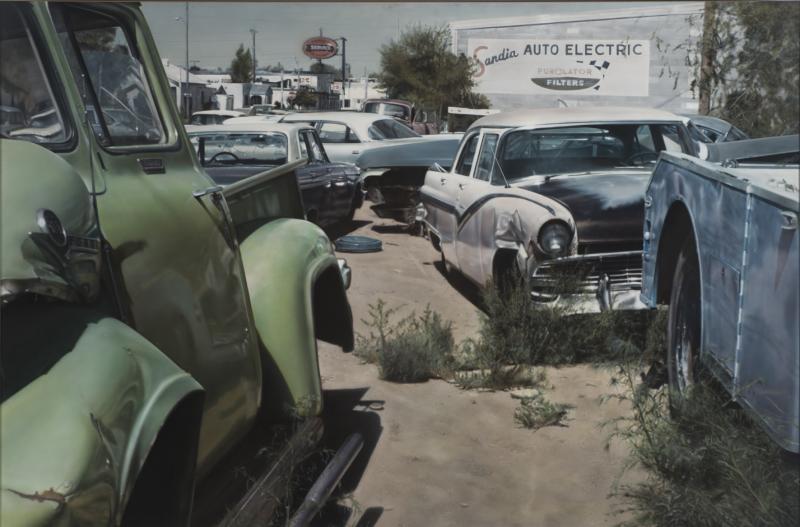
[(582, 274)]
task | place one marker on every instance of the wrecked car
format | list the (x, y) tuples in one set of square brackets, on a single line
[(331, 192), (150, 318), (418, 120), (545, 193), (392, 175), (721, 250)]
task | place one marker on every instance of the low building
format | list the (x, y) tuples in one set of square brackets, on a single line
[(630, 56), (357, 91), (197, 96)]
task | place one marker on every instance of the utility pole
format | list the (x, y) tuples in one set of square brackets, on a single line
[(186, 93), (707, 57), (344, 63), (366, 84), (253, 33)]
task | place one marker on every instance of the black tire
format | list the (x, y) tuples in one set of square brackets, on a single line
[(683, 326)]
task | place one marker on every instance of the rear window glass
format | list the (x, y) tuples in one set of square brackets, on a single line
[(390, 129)]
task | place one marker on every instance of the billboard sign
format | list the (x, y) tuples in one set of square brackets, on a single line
[(561, 66), (320, 48)]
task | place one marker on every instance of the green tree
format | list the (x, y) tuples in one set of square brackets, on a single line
[(321, 67), (242, 65), (750, 65), (420, 67), (303, 99)]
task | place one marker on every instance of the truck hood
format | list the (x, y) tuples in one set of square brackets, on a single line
[(607, 206), (413, 152)]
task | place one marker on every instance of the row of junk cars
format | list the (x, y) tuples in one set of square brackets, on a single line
[(163, 287)]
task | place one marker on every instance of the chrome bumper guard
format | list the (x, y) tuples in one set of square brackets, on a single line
[(346, 272)]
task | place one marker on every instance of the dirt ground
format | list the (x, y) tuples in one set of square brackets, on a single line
[(439, 455)]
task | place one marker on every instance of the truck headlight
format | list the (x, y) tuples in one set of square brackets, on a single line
[(554, 238)]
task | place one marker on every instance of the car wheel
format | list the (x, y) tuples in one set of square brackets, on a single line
[(683, 326)]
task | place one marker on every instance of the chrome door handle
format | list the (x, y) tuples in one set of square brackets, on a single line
[(461, 186), (789, 220), (443, 180)]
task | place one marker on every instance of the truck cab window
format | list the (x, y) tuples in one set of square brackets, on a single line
[(28, 108), (100, 49)]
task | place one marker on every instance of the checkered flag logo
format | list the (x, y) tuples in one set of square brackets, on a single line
[(602, 67)]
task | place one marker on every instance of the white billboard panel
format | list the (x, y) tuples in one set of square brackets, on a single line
[(562, 66)]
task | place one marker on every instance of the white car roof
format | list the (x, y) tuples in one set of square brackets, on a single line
[(359, 122), (252, 126), (575, 115), (231, 113)]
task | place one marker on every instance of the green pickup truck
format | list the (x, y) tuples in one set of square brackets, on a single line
[(149, 318)]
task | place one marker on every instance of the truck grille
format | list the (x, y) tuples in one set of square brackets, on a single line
[(582, 274)]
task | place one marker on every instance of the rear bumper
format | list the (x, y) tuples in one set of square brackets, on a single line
[(590, 283)]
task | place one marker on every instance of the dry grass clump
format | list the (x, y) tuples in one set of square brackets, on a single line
[(537, 412), (414, 349)]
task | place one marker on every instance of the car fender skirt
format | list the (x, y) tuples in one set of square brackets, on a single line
[(76, 436), (283, 262)]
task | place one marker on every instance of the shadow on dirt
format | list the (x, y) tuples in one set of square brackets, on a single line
[(337, 230), (461, 284), (347, 412)]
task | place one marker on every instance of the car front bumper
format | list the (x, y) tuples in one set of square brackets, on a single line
[(590, 283)]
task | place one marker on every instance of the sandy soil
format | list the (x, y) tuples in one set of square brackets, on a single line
[(439, 455)]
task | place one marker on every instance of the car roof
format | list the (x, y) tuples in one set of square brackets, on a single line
[(359, 118), (574, 115), (232, 113), (252, 126)]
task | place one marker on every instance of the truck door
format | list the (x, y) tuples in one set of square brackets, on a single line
[(179, 279)]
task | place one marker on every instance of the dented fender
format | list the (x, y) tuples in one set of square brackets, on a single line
[(283, 260), (75, 438)]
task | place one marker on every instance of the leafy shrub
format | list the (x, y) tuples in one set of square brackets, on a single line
[(414, 349), (537, 412)]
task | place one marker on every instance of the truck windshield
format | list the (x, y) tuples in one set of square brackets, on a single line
[(27, 107), (99, 47), (583, 149), (266, 148)]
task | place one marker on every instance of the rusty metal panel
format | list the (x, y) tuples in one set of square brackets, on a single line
[(768, 379)]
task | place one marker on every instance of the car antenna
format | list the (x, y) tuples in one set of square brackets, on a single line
[(497, 164)]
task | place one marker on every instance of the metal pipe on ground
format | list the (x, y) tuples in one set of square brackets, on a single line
[(327, 481)]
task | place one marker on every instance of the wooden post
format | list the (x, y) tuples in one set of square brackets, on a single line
[(708, 54)]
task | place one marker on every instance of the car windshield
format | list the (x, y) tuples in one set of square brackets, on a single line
[(264, 148), (554, 151), (27, 107)]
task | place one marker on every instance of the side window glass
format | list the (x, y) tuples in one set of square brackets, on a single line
[(464, 164), (335, 133), (314, 147), (645, 139), (672, 138), (99, 47), (28, 108), (486, 160), (301, 141)]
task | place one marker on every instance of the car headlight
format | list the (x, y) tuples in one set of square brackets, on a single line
[(554, 238)]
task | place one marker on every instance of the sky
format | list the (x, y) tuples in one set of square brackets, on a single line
[(217, 29)]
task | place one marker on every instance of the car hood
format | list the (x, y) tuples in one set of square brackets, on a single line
[(608, 206), (412, 152)]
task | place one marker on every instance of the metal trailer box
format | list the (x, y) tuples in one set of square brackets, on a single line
[(744, 222), (565, 59)]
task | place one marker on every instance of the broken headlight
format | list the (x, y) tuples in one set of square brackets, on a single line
[(554, 238)]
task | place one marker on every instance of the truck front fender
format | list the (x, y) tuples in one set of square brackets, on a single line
[(286, 261), (75, 436)]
